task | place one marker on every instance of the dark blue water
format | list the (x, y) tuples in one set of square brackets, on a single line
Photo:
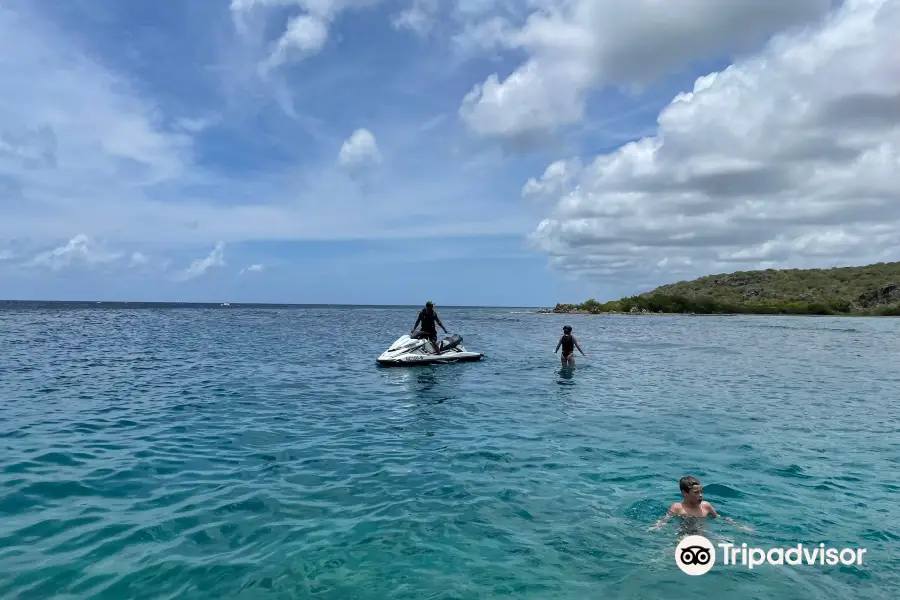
[(261, 453)]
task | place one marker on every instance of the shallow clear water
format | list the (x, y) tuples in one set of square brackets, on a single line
[(254, 453)]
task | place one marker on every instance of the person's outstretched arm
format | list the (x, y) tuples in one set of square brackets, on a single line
[(663, 519), (437, 320), (558, 345), (715, 515), (418, 320), (577, 345)]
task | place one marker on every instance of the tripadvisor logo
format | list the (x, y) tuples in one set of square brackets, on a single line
[(696, 555)]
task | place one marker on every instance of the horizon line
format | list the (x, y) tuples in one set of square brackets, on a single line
[(254, 304)]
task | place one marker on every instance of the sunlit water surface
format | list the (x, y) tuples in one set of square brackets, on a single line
[(261, 453)]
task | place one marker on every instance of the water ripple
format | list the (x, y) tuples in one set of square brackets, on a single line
[(254, 453)]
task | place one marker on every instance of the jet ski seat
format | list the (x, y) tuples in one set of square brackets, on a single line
[(450, 342)]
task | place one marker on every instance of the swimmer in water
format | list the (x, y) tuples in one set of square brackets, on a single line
[(692, 504)]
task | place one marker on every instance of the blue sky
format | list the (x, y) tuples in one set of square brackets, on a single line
[(393, 151)]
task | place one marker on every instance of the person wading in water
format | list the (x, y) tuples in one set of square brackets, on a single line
[(568, 343)]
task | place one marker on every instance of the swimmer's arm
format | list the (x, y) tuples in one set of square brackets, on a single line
[(577, 345), (713, 514), (673, 510), (557, 346)]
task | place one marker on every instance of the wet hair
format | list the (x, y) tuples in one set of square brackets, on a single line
[(429, 303), (567, 328), (687, 482)]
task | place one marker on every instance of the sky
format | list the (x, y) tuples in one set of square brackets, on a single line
[(468, 152)]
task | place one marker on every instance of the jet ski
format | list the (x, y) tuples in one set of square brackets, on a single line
[(417, 349)]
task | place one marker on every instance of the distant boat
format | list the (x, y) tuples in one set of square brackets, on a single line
[(225, 304)]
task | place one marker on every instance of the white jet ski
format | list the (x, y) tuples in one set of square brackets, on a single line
[(418, 350)]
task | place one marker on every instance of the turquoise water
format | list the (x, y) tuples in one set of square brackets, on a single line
[(261, 453)]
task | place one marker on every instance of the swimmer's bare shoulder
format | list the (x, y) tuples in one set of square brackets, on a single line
[(678, 509), (675, 510), (708, 511)]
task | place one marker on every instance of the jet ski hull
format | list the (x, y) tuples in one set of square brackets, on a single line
[(412, 360), (409, 352)]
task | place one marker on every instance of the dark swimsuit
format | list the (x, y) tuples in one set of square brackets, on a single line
[(428, 325), (568, 345)]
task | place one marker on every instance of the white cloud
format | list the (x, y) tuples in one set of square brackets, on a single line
[(138, 259), (252, 269), (555, 181), (85, 151), (575, 46), (75, 140), (478, 36), (419, 17), (359, 150), (79, 250), (82, 146), (305, 34), (216, 258), (789, 157)]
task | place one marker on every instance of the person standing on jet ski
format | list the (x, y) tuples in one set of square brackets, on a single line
[(428, 317)]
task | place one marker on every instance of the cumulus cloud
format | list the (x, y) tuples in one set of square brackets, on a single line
[(359, 150), (788, 157), (574, 46), (84, 251), (557, 177), (79, 250), (216, 258)]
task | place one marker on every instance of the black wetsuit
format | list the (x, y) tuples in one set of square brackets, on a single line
[(428, 322), (568, 344)]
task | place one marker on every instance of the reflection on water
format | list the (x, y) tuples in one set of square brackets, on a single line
[(432, 384), (565, 375)]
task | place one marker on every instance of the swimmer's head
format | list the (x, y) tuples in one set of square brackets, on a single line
[(567, 329), (691, 489)]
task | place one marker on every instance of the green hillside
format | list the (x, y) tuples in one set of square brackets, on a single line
[(868, 290)]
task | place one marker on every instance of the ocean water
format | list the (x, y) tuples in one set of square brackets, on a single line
[(261, 453)]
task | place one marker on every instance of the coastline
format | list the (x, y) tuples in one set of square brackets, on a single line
[(646, 313), (664, 304), (581, 312), (863, 291)]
